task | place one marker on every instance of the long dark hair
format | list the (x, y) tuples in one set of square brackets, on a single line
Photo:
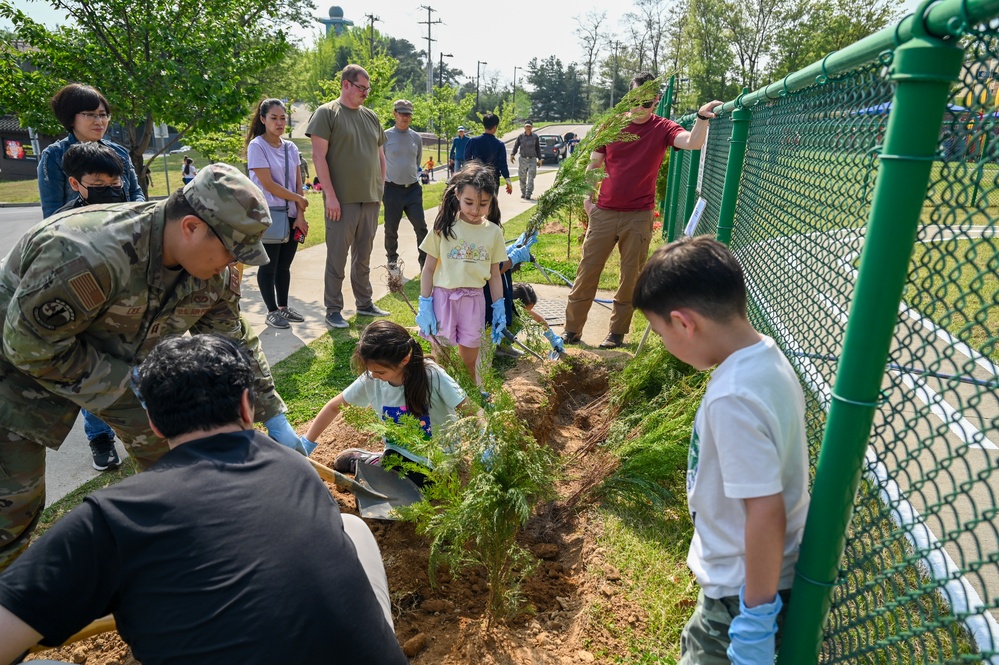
[(387, 343), (473, 174), (257, 126)]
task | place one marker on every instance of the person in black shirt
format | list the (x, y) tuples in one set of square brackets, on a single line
[(489, 150), (229, 549)]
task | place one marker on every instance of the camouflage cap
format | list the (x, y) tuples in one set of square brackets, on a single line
[(234, 207)]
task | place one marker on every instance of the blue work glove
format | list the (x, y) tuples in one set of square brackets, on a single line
[(426, 319), (280, 430), (753, 632), (527, 241), (309, 446), (555, 340), (518, 254), (499, 320)]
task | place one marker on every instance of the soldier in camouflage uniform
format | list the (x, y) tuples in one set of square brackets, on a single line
[(86, 294)]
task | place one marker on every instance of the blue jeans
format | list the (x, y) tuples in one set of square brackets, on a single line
[(94, 426)]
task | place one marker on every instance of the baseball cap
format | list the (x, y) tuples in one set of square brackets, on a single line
[(528, 124), (234, 207), (403, 106), (461, 128)]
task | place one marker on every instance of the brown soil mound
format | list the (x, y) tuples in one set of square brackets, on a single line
[(570, 598)]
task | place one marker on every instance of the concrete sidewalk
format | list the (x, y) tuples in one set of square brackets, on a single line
[(69, 467)]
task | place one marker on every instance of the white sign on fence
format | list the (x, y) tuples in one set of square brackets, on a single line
[(695, 217)]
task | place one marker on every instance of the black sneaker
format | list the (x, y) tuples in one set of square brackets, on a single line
[(103, 451), (292, 315), (372, 310), (275, 320), (571, 338), (347, 461), (612, 341), (336, 320)]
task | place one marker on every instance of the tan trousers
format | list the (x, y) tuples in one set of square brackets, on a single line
[(355, 232), (631, 232)]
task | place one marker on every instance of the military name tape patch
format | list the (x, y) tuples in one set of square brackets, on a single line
[(54, 314)]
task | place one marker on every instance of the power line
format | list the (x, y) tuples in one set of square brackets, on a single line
[(430, 61)]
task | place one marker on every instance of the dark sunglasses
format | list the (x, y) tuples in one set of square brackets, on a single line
[(648, 105)]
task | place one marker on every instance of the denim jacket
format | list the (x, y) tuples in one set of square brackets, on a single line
[(53, 185)]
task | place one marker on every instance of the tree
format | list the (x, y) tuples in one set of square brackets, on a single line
[(444, 108), (548, 78), (191, 65), (647, 29), (813, 29), (750, 26), (590, 39), (708, 59)]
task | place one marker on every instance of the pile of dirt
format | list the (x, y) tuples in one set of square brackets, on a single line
[(570, 598)]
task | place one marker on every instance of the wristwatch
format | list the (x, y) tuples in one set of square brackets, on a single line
[(702, 117)]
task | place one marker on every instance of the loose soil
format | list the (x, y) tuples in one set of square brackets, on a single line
[(573, 592)]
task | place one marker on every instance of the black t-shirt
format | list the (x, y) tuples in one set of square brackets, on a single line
[(230, 549)]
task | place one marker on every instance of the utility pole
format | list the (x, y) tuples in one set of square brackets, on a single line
[(430, 61), (371, 40), (440, 75), (515, 91), (617, 44), (478, 77)]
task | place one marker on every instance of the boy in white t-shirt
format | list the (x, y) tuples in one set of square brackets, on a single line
[(747, 468)]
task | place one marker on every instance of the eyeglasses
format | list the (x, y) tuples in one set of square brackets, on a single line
[(363, 89), (648, 105), (96, 117)]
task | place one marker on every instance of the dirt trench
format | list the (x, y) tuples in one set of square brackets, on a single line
[(573, 593)]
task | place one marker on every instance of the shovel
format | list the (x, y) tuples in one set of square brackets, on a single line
[(552, 355), (378, 492)]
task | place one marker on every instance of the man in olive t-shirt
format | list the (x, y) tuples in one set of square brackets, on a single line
[(347, 152)]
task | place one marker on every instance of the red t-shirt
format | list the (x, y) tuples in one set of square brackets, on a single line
[(631, 167)]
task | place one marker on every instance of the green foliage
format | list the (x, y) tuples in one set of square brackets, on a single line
[(558, 92), (657, 397), (151, 60), (708, 55), (443, 109), (223, 145), (482, 493)]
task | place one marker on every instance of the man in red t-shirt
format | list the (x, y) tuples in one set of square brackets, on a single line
[(622, 215)]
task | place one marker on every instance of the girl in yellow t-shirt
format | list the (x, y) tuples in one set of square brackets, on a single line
[(464, 252)]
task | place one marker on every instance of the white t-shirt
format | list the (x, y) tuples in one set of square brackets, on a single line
[(262, 155), (748, 441), (389, 401)]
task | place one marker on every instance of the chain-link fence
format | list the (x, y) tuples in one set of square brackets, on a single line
[(919, 577)]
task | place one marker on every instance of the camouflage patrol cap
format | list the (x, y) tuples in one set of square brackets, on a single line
[(234, 207)]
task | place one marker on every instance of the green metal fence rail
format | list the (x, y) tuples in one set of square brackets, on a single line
[(865, 218)]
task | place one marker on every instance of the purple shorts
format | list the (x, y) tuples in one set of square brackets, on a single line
[(461, 315)]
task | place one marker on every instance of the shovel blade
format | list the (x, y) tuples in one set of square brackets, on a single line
[(398, 492)]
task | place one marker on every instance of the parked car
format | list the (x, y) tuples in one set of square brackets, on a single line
[(552, 148)]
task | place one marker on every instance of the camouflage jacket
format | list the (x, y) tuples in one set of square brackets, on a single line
[(83, 300)]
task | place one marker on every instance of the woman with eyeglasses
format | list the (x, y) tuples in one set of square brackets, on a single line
[(86, 115)]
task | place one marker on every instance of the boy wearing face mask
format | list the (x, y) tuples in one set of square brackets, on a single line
[(94, 171)]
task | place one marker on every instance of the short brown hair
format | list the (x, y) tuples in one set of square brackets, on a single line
[(351, 72)]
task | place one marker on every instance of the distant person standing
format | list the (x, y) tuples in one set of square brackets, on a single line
[(529, 146), (347, 153), (456, 157), (273, 162), (430, 167), (489, 150), (403, 192), (189, 170)]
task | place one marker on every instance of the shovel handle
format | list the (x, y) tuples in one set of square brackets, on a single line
[(344, 482), (511, 338)]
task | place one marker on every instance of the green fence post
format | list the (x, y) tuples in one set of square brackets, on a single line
[(733, 172), (693, 165), (923, 70), (665, 104), (674, 193)]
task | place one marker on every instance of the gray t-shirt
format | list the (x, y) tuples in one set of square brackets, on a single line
[(354, 136), (389, 401), (403, 154)]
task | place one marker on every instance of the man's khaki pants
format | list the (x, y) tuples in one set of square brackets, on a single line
[(631, 231), (355, 231)]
